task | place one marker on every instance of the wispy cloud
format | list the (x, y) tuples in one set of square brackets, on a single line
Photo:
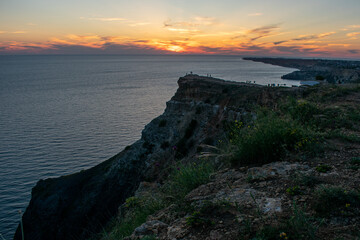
[(182, 30), (260, 32), (191, 26), (105, 19), (353, 26), (313, 36), (136, 24), (255, 14), (265, 29), (130, 23), (305, 38), (353, 35), (19, 32), (350, 27)]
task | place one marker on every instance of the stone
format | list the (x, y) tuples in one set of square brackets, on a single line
[(149, 228)]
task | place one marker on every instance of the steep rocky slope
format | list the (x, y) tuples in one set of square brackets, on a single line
[(287, 196), (302, 182), (78, 205)]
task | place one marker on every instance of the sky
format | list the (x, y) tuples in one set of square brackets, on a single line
[(292, 28)]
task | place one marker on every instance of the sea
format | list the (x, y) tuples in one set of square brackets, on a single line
[(60, 114)]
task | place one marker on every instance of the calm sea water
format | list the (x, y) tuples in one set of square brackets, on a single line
[(63, 114)]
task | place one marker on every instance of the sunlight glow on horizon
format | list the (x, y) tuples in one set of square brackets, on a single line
[(325, 28)]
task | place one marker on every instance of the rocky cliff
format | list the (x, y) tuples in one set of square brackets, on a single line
[(79, 205)]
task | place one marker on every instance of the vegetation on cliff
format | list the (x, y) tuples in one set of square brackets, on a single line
[(288, 170), (225, 160)]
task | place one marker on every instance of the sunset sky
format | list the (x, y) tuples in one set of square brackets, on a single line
[(306, 28)]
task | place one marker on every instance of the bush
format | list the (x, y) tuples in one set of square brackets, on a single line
[(268, 139), (306, 180), (298, 226), (293, 190), (185, 178), (138, 210), (302, 111), (355, 163), (323, 168), (335, 201)]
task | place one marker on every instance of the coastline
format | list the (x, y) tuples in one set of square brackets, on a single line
[(331, 71), (82, 203)]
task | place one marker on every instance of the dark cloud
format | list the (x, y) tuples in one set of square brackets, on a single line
[(300, 51), (216, 50), (308, 37), (279, 42), (265, 29), (107, 48), (262, 31), (354, 51)]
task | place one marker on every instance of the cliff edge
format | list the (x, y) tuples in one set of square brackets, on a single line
[(79, 205), (225, 160)]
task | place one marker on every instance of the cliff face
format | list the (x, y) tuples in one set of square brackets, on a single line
[(79, 205)]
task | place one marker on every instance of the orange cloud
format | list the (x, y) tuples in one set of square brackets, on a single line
[(353, 35), (198, 41), (255, 14), (192, 26), (105, 19)]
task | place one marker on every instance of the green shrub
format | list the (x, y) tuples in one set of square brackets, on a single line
[(301, 226), (346, 137), (138, 210), (355, 163), (197, 219), (298, 226), (293, 190), (268, 139), (335, 200), (300, 110), (185, 178), (306, 180), (323, 168)]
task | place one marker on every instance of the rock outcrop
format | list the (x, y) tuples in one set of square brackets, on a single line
[(79, 205)]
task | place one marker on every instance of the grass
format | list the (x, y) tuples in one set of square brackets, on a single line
[(183, 179), (306, 180), (268, 139), (323, 168), (138, 209), (344, 136), (293, 190), (298, 226), (355, 163), (329, 200), (300, 110)]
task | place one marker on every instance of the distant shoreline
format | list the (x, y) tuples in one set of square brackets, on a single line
[(331, 71)]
